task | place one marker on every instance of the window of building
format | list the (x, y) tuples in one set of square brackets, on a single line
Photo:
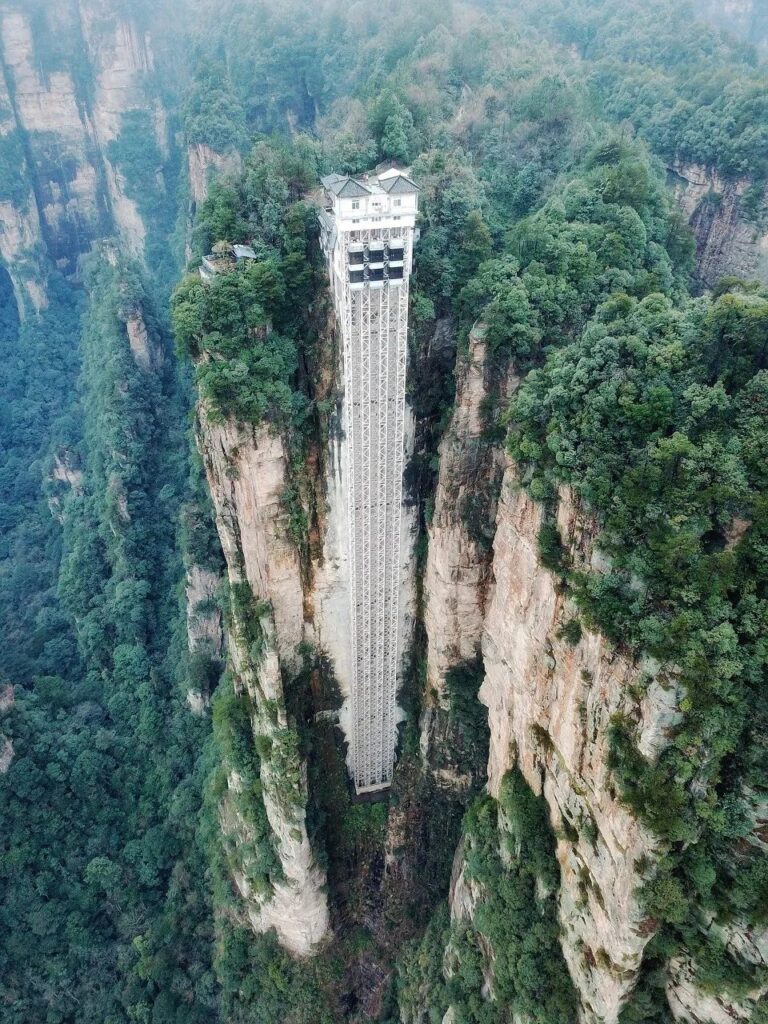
[(398, 202), (355, 204)]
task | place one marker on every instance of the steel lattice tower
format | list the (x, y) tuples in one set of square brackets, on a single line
[(368, 232)]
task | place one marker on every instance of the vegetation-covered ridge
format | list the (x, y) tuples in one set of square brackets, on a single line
[(116, 895), (692, 92), (247, 330), (655, 414), (100, 860), (609, 229), (500, 957)]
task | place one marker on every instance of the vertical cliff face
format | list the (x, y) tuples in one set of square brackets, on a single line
[(204, 625), (729, 241), (204, 164), (693, 1004), (71, 82), (550, 704), (458, 564), (247, 476), (552, 689), (122, 62), (6, 744), (20, 230), (52, 119), (458, 569)]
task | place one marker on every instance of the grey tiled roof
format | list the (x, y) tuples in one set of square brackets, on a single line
[(398, 185), (343, 185)]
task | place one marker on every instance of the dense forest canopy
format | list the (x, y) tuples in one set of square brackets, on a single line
[(540, 134)]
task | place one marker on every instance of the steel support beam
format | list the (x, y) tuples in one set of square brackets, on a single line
[(374, 327)]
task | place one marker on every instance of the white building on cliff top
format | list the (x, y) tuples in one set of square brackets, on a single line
[(368, 228)]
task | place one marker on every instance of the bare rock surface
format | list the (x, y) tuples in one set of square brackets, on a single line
[(203, 164), (203, 614), (246, 469), (458, 569), (6, 744), (728, 242), (550, 705), (80, 194)]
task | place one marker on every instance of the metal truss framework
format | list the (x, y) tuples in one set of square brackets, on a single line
[(374, 321)]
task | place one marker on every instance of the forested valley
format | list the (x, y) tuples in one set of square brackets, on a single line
[(593, 218)]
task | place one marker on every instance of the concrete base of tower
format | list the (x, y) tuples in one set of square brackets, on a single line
[(368, 790)]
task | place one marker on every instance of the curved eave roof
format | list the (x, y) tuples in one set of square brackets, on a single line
[(346, 187), (399, 185)]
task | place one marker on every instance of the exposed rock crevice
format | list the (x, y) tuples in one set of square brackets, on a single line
[(550, 702), (246, 470), (550, 706), (64, 131), (729, 241), (458, 570)]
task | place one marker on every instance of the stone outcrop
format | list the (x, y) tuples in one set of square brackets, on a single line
[(144, 348), (203, 165), (458, 569), (246, 470), (203, 613), (458, 566), (65, 128), (551, 697), (20, 232), (693, 1004), (6, 754), (296, 907), (205, 638), (19, 236), (122, 60), (65, 473), (6, 744), (463, 896), (143, 341), (63, 478), (550, 704), (727, 241), (60, 147)]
